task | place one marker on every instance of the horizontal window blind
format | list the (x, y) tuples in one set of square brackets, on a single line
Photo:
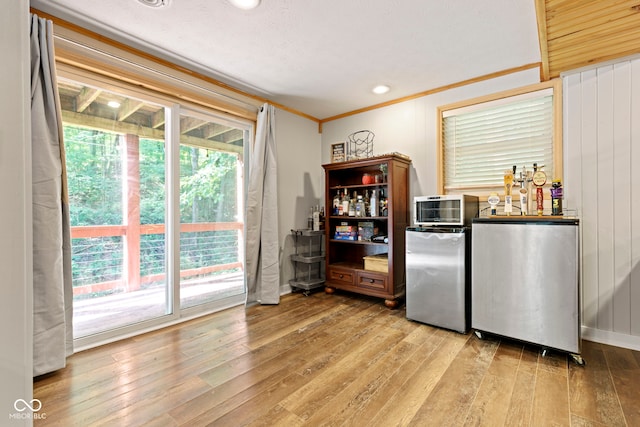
[(479, 144)]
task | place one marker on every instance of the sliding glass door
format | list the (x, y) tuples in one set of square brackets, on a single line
[(120, 176)]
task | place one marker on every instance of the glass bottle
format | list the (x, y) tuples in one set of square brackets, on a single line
[(360, 207), (336, 204), (373, 203), (352, 205), (345, 203), (556, 197), (366, 200)]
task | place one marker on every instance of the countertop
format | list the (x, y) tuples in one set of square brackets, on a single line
[(530, 219)]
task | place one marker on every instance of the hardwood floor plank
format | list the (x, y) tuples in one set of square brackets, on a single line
[(278, 416), (624, 366), (521, 402), (335, 360), (407, 401), (341, 327), (346, 365), (550, 400), (292, 326), (491, 403), (429, 339), (356, 395), (555, 362), (450, 401), (143, 411), (593, 395), (577, 421), (292, 352)]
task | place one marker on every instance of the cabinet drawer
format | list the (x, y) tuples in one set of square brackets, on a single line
[(344, 277), (372, 281)]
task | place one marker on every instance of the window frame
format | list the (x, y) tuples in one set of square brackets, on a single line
[(555, 85)]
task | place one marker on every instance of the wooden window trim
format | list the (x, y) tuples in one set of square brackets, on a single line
[(555, 85)]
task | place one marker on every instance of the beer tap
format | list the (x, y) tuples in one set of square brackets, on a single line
[(520, 182), (524, 191)]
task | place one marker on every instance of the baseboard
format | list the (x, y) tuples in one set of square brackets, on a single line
[(617, 339)]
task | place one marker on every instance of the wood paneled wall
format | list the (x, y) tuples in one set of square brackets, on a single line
[(602, 158), (575, 34)]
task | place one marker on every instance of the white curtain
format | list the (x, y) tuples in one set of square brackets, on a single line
[(262, 247), (52, 292)]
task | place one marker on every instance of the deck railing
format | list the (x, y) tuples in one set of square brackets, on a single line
[(120, 258)]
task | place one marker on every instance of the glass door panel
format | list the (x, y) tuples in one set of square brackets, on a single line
[(211, 210), (115, 159)]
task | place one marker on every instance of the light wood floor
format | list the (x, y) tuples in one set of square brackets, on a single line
[(335, 360)]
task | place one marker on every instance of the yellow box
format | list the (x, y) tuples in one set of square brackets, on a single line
[(379, 262)]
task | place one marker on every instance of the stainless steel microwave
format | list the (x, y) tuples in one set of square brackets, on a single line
[(452, 210)]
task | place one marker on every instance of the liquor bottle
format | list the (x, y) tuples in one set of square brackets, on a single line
[(360, 212), (336, 204), (373, 204), (366, 200), (345, 203), (556, 197), (352, 205), (310, 219)]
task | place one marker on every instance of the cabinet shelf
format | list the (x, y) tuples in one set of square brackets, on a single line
[(357, 218), (358, 242), (359, 186), (345, 258)]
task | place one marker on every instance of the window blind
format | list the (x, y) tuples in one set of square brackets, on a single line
[(481, 142)]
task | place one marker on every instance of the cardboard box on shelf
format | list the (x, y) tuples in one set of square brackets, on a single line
[(379, 262)]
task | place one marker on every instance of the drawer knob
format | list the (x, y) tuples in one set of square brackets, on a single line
[(371, 280), (341, 276)]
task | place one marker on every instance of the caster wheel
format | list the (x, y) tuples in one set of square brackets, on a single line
[(479, 334), (578, 360)]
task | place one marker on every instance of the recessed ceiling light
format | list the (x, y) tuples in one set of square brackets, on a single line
[(154, 3), (245, 4), (380, 89), (113, 104)]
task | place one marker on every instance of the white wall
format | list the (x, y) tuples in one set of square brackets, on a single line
[(300, 180), (15, 236), (410, 127), (602, 150)]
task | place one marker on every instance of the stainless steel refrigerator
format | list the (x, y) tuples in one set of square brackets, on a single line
[(526, 280), (438, 276)]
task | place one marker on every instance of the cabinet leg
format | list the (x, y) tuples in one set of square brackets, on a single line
[(391, 303), (329, 290)]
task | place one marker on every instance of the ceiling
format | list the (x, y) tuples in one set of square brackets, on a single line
[(322, 57)]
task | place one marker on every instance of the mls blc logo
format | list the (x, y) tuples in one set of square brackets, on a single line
[(22, 405), (27, 410)]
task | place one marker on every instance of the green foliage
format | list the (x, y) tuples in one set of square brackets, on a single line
[(95, 173), (207, 185), (152, 182), (94, 170)]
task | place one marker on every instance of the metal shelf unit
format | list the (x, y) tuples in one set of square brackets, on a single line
[(307, 260)]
